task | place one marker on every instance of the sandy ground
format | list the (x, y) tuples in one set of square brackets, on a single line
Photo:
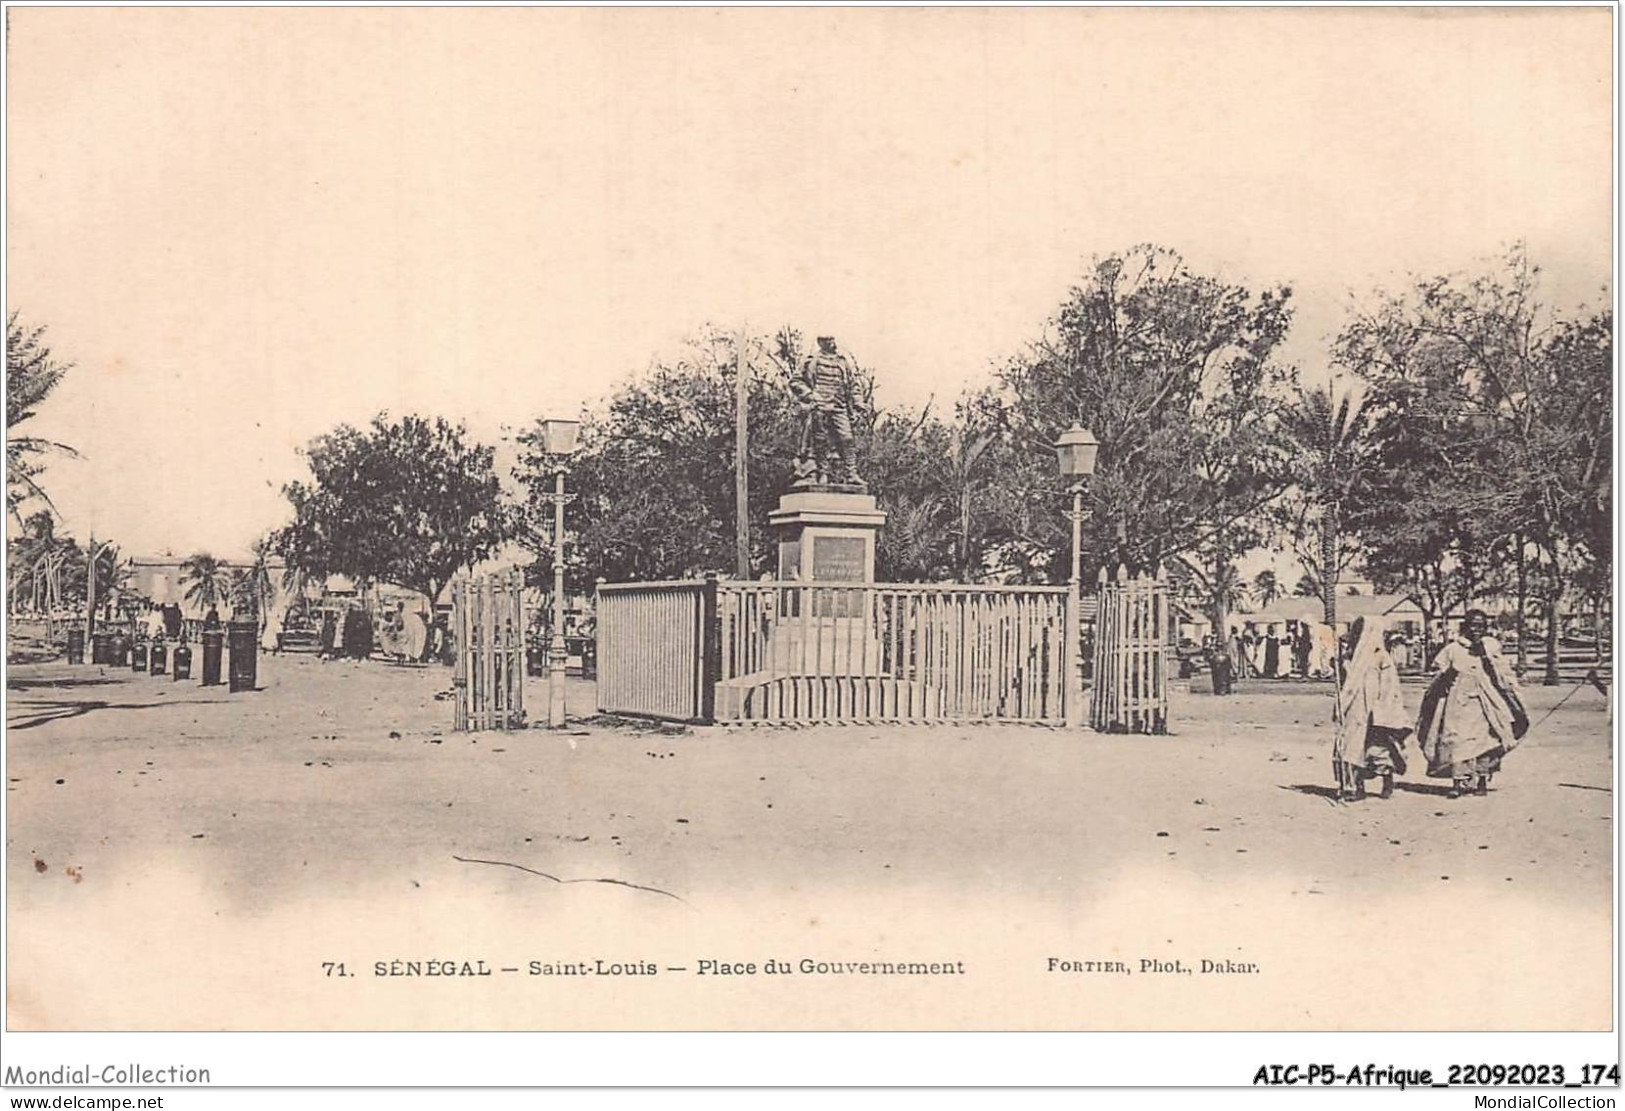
[(180, 857)]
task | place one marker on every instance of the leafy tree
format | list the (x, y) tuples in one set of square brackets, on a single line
[(653, 474), (654, 483), (408, 501), (1488, 436), (1571, 435), (32, 372), (1175, 374)]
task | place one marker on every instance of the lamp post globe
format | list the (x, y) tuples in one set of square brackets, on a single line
[(1075, 452)]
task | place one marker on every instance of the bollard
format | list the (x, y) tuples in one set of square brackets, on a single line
[(180, 665), (214, 647), (76, 644), (101, 648), (157, 657), (244, 639), (138, 656)]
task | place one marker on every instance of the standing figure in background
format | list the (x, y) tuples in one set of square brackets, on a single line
[(1472, 714), (1255, 653), (392, 633), (1399, 646), (415, 631), (1276, 653), (329, 635), (1220, 668), (445, 644), (1371, 723), (826, 386), (356, 636), (271, 632), (1322, 650)]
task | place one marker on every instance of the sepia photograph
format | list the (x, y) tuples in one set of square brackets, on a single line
[(809, 519)]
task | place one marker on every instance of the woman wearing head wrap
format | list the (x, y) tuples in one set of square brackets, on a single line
[(1472, 714), (1372, 723)]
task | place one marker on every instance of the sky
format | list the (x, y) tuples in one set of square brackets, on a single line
[(247, 226)]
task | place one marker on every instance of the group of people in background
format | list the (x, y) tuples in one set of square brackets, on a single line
[(1304, 649), (403, 635)]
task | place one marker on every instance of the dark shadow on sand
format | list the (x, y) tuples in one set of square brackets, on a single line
[(1318, 790), (1435, 789), (59, 684), (43, 713)]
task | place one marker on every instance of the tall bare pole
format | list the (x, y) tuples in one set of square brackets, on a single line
[(742, 455), (90, 590)]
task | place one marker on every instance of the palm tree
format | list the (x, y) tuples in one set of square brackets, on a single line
[(207, 580), (114, 573), (251, 586), (1328, 434), (1267, 588), (965, 449), (31, 374), (909, 546)]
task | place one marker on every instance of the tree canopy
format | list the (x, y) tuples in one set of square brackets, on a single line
[(653, 476), (409, 501), (1175, 373)]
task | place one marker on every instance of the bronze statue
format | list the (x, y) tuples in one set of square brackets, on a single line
[(826, 386)]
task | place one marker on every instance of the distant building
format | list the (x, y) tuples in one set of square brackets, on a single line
[(1402, 614), (162, 580)]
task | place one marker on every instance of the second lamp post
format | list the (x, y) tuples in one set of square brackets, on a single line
[(558, 443), (1075, 455)]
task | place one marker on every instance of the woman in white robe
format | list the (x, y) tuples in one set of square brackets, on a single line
[(414, 635), (1371, 721)]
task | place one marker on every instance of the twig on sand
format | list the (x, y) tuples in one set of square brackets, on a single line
[(556, 879), (1586, 787)]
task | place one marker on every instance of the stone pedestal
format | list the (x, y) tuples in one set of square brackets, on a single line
[(827, 534)]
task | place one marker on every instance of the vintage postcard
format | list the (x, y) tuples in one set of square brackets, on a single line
[(809, 519)]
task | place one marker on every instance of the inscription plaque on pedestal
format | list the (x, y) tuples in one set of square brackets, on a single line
[(842, 559)]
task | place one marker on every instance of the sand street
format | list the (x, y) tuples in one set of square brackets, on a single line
[(339, 798)]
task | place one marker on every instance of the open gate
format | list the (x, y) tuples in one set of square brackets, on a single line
[(1133, 637), (488, 630)]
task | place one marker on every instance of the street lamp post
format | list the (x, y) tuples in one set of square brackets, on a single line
[(1075, 456), (559, 443)]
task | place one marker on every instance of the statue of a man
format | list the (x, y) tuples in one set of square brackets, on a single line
[(826, 386)]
